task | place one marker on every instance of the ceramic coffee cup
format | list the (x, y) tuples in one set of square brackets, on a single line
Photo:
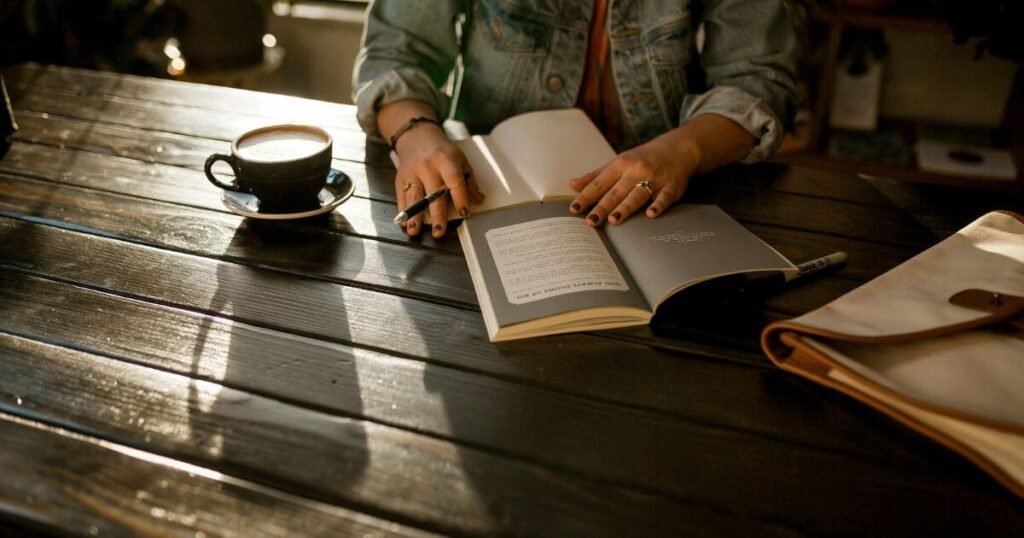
[(284, 166)]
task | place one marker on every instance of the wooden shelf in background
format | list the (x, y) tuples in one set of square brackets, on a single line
[(809, 148)]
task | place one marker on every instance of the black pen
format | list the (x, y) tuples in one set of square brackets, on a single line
[(420, 205)]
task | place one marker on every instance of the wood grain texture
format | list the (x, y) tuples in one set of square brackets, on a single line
[(944, 210), (92, 211), (306, 250), (210, 124), (181, 94), (327, 458), (156, 147), (303, 248), (186, 186), (368, 218), (322, 457), (730, 397), (739, 192), (333, 372), (822, 183), (56, 480)]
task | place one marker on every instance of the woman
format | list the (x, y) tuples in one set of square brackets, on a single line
[(632, 65)]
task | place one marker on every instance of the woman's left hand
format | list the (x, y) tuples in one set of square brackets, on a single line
[(664, 165), (658, 171)]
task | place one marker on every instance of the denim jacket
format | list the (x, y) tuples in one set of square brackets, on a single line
[(522, 55)]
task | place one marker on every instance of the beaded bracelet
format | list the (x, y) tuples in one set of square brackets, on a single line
[(409, 125)]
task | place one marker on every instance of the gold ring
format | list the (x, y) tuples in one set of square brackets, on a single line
[(411, 185), (457, 185), (647, 186)]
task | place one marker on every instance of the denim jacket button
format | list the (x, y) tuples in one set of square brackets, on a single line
[(555, 83)]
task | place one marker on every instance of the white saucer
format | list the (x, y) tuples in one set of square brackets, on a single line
[(339, 188)]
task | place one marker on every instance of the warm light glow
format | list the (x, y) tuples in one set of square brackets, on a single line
[(171, 48), (269, 40), (176, 67)]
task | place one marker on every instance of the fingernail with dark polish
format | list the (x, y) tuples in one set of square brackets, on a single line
[(438, 228), (653, 210), (616, 215), (412, 225), (464, 211), (575, 206), (594, 218)]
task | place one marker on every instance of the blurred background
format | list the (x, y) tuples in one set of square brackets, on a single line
[(924, 90), (298, 48)]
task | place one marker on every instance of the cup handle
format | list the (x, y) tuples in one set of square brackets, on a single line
[(208, 167)]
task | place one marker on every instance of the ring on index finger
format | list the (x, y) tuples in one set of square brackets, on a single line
[(413, 185), (647, 186)]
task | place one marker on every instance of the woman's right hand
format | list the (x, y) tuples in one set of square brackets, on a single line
[(427, 160)]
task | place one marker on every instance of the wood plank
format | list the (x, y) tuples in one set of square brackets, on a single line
[(303, 248), (300, 248), (186, 186), (396, 391), (371, 218), (866, 261), (822, 183), (726, 396), (945, 210), (276, 107), (367, 218), (753, 201), (210, 124), (787, 303), (443, 487), (155, 147), (288, 247), (321, 456), (59, 481)]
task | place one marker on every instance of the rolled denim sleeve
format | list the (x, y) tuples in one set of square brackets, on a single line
[(408, 52), (750, 61)]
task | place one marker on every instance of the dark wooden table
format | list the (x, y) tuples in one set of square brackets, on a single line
[(167, 367)]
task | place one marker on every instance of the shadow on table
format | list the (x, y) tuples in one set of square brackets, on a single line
[(259, 351)]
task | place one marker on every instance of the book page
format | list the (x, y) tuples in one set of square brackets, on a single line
[(686, 245), (550, 257), (495, 176), (547, 148), (536, 271)]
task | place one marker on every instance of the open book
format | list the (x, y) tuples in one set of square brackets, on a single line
[(539, 270), (936, 343), (528, 158)]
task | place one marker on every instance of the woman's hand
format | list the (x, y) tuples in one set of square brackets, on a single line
[(427, 160), (658, 171)]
